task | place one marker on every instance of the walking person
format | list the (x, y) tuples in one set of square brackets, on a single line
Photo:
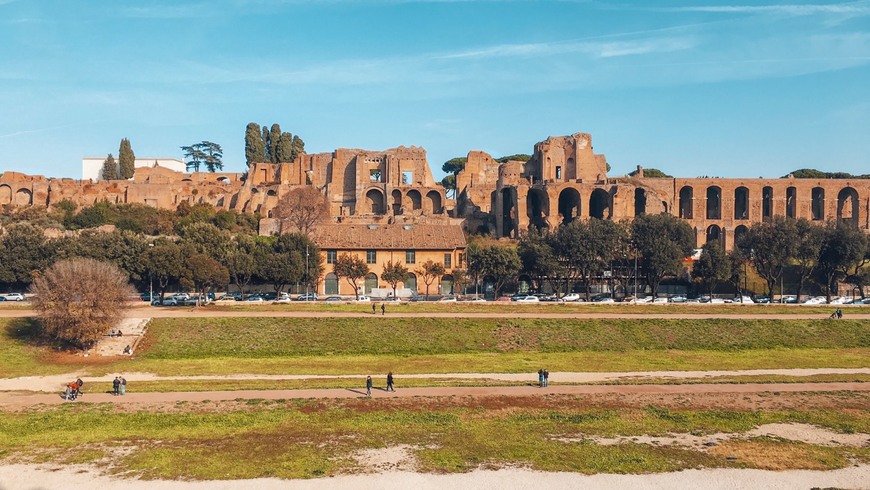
[(390, 382), (123, 385), (374, 309), (540, 378), (383, 309), (546, 378), (839, 314), (116, 386), (368, 386)]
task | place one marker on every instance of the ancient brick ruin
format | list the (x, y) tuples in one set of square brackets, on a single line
[(563, 181)]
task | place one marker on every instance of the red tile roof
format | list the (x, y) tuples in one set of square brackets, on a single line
[(389, 237)]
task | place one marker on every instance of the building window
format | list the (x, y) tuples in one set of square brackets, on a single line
[(558, 172), (330, 256), (461, 261), (371, 256), (410, 257), (448, 258)]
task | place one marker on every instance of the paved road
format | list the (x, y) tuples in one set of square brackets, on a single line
[(16, 400), (366, 312)]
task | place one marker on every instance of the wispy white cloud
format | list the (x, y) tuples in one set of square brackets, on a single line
[(855, 8), (606, 49), (32, 131)]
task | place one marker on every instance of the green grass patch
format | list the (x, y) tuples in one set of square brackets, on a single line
[(191, 338), (20, 351), (304, 439)]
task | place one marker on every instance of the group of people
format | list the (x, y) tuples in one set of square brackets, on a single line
[(115, 333), (543, 378), (375, 309), (74, 389), (389, 384), (119, 386)]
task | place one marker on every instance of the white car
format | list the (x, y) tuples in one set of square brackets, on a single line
[(364, 299), (283, 298), (842, 300), (660, 301), (818, 300), (571, 297), (746, 300), (255, 299), (529, 299), (448, 299), (15, 297)]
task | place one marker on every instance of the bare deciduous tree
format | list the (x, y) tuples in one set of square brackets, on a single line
[(302, 208), (79, 300)]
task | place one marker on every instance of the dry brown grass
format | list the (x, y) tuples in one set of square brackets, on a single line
[(774, 454)]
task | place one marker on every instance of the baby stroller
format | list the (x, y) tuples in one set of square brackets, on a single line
[(73, 390)]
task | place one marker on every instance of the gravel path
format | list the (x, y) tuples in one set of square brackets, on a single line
[(21, 400), (28, 477)]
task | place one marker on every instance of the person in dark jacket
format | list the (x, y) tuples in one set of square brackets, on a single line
[(116, 386), (390, 382), (368, 386)]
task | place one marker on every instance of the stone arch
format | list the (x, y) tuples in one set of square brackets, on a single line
[(271, 192), (741, 203), (569, 205), (713, 233), (416, 199), (640, 201), (791, 202), (5, 194), (330, 284), (23, 197), (375, 201), (599, 204), (223, 180), (714, 202), (434, 198), (446, 286), (411, 282), (847, 206), (817, 203), (371, 282), (509, 213), (397, 201), (687, 198), (739, 233), (538, 208), (767, 203)]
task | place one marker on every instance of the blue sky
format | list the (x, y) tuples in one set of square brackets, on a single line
[(718, 88)]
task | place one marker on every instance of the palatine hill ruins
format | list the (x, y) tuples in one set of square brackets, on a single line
[(563, 181)]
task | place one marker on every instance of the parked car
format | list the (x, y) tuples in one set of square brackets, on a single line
[(762, 299), (660, 301), (307, 297), (283, 298), (517, 296), (168, 301), (842, 300), (571, 297), (227, 297), (746, 300), (15, 297), (529, 299), (255, 299), (677, 299), (603, 299), (333, 299), (788, 300), (504, 299), (364, 299), (447, 299), (818, 300), (475, 299)]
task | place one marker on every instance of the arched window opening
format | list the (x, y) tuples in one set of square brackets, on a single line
[(330, 284), (847, 207), (599, 204), (509, 214), (569, 205), (538, 207), (818, 203), (741, 203), (687, 199), (791, 202), (397, 202), (434, 198), (739, 233), (371, 282), (639, 201), (767, 203), (375, 201), (416, 199), (714, 202), (714, 233)]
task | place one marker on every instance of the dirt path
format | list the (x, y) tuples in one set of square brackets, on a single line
[(821, 314), (18, 400), (57, 382)]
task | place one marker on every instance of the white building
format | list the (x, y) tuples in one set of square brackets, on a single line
[(92, 167)]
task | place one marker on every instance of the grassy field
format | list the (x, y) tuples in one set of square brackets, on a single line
[(512, 307), (304, 439), (189, 346)]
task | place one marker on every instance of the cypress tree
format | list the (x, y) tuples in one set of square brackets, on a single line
[(267, 145), (126, 160), (110, 168), (298, 146), (284, 150), (274, 141), (255, 151)]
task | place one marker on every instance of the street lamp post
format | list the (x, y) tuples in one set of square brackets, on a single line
[(150, 280), (307, 278)]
